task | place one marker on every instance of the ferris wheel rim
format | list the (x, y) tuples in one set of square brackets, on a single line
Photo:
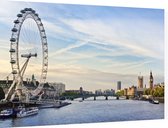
[(14, 50)]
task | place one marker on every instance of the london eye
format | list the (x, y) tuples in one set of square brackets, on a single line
[(28, 52)]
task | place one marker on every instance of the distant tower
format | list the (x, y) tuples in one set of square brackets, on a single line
[(140, 81), (118, 85), (151, 80), (81, 90), (33, 77), (27, 80), (7, 79), (33, 80)]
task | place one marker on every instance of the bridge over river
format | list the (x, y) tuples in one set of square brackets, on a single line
[(94, 97)]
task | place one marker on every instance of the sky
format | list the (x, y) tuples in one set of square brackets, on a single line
[(91, 46)]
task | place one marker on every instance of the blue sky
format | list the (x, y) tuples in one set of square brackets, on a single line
[(94, 46)]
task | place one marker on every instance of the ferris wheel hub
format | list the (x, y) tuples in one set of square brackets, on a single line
[(29, 55)]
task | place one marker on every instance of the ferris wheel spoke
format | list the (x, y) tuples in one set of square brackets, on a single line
[(25, 38), (23, 30)]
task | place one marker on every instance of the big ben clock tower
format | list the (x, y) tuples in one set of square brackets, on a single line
[(151, 80)]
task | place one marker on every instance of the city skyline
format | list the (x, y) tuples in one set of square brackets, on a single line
[(94, 46)]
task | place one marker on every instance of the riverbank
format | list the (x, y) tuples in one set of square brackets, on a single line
[(160, 99), (6, 105)]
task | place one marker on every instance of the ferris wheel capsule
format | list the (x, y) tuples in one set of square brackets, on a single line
[(41, 24), (26, 9), (12, 50), (23, 11), (13, 40), (13, 61), (14, 72), (29, 9), (33, 11), (39, 19), (42, 30), (36, 14), (19, 15), (16, 21), (14, 30)]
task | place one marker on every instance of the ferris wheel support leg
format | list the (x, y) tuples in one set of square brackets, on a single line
[(15, 84), (19, 86), (13, 96), (10, 91), (23, 69)]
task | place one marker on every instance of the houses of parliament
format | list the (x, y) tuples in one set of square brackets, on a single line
[(151, 80)]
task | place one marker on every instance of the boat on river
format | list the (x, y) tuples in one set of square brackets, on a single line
[(24, 112), (7, 113), (154, 101)]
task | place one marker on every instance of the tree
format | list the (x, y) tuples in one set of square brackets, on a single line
[(120, 93), (156, 92), (147, 91), (159, 92), (152, 92), (2, 94)]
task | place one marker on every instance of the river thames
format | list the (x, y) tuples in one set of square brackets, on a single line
[(90, 111)]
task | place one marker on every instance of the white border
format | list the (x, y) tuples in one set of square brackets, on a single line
[(158, 4), (123, 3)]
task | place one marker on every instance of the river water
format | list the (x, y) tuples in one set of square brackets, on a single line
[(90, 111)]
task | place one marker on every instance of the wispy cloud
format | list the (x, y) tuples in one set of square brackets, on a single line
[(63, 50), (101, 32)]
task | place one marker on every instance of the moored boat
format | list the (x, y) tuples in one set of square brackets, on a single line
[(154, 101), (27, 112), (7, 113)]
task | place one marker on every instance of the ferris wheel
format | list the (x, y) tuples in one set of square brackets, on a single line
[(28, 40)]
